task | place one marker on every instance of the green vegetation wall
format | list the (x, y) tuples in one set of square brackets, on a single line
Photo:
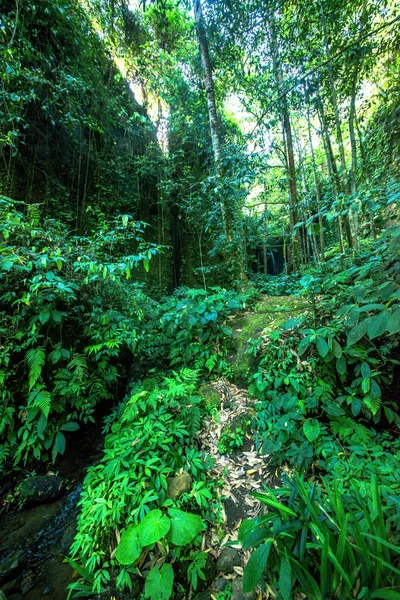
[(72, 134)]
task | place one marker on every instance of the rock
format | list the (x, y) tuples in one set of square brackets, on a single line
[(47, 590), (233, 434), (210, 396), (178, 485), (237, 591), (220, 584), (203, 596), (12, 565), (228, 559), (64, 543), (27, 584), (210, 572), (39, 490)]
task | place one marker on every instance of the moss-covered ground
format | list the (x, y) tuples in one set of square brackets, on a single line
[(271, 311)]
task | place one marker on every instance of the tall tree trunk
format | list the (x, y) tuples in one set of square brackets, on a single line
[(235, 254), (317, 188), (208, 80), (330, 161), (288, 140), (339, 135)]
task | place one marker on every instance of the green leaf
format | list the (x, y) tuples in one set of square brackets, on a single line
[(70, 426), (153, 527), (357, 332), (365, 370), (159, 583), (341, 365), (304, 344), (129, 548), (60, 443), (35, 359), (312, 429), (385, 594), (393, 325), (44, 315), (255, 566), (336, 349), (378, 325), (184, 526), (322, 346), (285, 579)]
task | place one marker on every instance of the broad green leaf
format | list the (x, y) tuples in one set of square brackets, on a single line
[(184, 526), (378, 325), (322, 346), (393, 325), (60, 443), (341, 365), (70, 426), (285, 579), (44, 316), (312, 429), (129, 548), (365, 370), (304, 344), (357, 332), (336, 349), (159, 583), (255, 566), (153, 527)]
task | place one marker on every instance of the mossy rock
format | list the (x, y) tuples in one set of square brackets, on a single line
[(233, 435), (210, 396), (270, 312)]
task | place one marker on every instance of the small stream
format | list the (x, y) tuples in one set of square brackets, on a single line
[(34, 540)]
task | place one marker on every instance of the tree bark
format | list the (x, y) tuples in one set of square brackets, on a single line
[(288, 140), (339, 135), (208, 80)]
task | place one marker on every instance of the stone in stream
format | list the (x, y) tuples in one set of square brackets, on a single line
[(228, 560), (237, 591), (38, 490), (178, 485), (12, 565)]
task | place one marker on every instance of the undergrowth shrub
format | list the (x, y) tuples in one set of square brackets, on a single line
[(70, 319), (320, 378), (193, 331), (151, 439)]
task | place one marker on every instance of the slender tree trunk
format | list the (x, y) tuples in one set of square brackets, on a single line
[(330, 161), (317, 189), (339, 135), (288, 140), (235, 255), (208, 80)]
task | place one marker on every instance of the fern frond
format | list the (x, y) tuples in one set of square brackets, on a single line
[(40, 399), (373, 404), (35, 359)]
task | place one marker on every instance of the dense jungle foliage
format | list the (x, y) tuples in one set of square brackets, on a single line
[(165, 166)]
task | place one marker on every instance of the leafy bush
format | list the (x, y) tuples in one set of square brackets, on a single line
[(276, 285), (152, 438), (192, 329), (55, 285), (320, 379)]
